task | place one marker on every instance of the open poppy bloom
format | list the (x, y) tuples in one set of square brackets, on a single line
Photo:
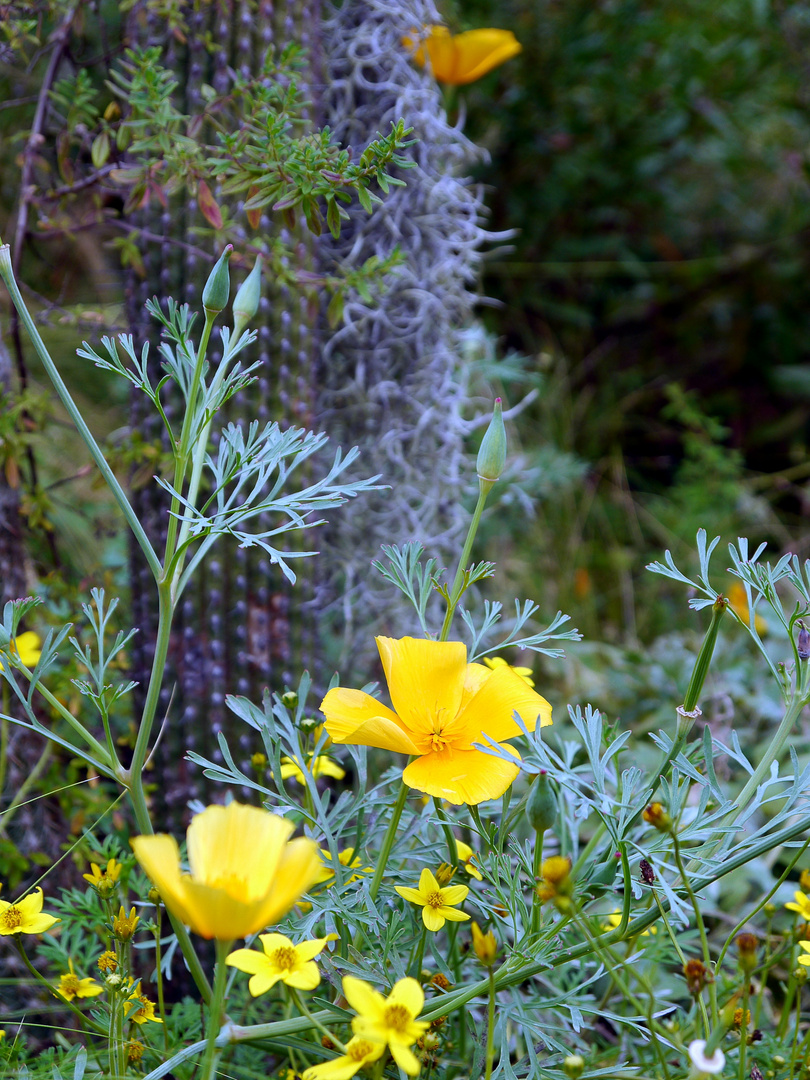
[(457, 59), (443, 705), (246, 873)]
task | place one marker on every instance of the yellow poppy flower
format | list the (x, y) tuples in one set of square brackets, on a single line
[(321, 766), (390, 1021), (498, 661), (26, 916), (245, 872), (443, 705), (345, 858), (280, 961), (437, 903), (457, 59), (359, 1052), (71, 986), (27, 647), (802, 905), (739, 603)]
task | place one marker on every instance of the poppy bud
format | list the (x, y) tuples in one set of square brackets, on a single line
[(492, 453), (541, 806), (246, 302), (218, 287), (803, 645)]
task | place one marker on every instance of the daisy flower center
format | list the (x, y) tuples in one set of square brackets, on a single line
[(435, 900), (11, 918), (397, 1017), (358, 1050), (284, 958), (70, 984)]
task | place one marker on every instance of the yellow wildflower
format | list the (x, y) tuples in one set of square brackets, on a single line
[(280, 961), (555, 882), (802, 905), (466, 855), (245, 871), (804, 881), (124, 925), (525, 673), (390, 1021), (27, 648), (484, 945), (104, 881), (457, 59), (25, 916), (107, 963), (614, 919), (321, 766), (146, 1008), (359, 1053), (345, 858), (805, 960), (134, 1050), (443, 706), (437, 903), (71, 986)]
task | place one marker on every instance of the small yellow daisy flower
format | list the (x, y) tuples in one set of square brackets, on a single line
[(437, 903), (281, 961), (71, 986)]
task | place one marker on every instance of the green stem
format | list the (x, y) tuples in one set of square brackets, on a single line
[(704, 941), (536, 864), (25, 787), (159, 974), (182, 451), (416, 967), (452, 850), (316, 1023), (458, 581), (783, 732), (139, 754), (744, 1030), (97, 1028), (490, 1026), (215, 1013), (7, 274), (388, 842)]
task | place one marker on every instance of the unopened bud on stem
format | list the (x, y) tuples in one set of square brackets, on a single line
[(492, 454), (217, 289), (246, 302)]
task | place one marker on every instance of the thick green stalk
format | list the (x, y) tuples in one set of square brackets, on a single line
[(7, 275), (139, 754), (215, 1013)]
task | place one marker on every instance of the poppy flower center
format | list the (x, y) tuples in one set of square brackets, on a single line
[(284, 958), (397, 1017)]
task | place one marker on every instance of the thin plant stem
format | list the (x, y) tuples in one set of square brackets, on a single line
[(159, 974), (87, 1020), (458, 581), (300, 1004), (419, 956), (490, 1026), (536, 865), (452, 850), (388, 842), (744, 1029), (704, 940), (24, 788), (7, 274)]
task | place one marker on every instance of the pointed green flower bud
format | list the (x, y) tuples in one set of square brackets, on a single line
[(217, 289), (246, 303), (492, 454), (704, 657), (541, 806)]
